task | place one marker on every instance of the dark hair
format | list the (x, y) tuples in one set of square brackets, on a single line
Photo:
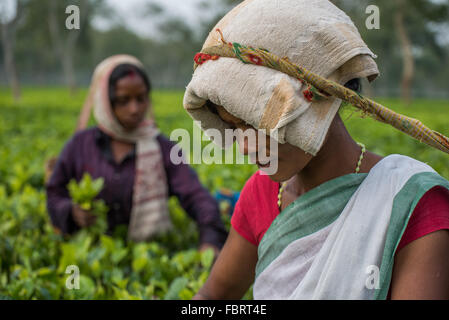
[(122, 71), (354, 85), (211, 107)]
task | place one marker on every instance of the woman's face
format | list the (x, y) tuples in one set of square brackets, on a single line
[(131, 101), (291, 159)]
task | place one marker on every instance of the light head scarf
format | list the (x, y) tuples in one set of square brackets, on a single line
[(283, 68), (149, 214), (312, 33)]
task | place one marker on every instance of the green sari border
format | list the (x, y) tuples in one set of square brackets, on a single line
[(404, 204), (309, 213)]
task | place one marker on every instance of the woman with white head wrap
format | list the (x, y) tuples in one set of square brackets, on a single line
[(334, 221)]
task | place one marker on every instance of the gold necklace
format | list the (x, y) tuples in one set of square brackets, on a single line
[(357, 170)]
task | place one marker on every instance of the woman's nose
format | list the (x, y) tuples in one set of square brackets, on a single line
[(133, 106), (247, 141), (243, 146)]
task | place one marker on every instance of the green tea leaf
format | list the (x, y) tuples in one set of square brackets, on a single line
[(207, 257), (175, 288)]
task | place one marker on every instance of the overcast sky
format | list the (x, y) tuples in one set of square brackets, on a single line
[(130, 12)]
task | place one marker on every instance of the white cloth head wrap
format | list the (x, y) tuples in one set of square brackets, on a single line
[(314, 34)]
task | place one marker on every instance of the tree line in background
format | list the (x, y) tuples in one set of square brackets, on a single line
[(37, 49)]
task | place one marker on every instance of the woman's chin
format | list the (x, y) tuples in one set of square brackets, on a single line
[(278, 175), (273, 169), (131, 126), (275, 176)]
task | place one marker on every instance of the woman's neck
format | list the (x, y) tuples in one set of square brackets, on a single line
[(338, 156)]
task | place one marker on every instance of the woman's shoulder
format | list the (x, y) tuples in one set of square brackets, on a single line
[(164, 141), (260, 183), (256, 207), (401, 163), (430, 214), (401, 172), (82, 138), (420, 176), (259, 191), (88, 133), (166, 146)]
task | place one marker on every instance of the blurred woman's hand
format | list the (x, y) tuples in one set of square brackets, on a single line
[(205, 246), (81, 217)]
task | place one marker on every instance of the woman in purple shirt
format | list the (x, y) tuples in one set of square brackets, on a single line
[(133, 158)]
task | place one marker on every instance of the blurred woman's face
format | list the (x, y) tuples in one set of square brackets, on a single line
[(291, 159), (131, 101)]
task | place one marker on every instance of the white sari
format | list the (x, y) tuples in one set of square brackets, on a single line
[(338, 240)]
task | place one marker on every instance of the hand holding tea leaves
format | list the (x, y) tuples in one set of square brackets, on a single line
[(81, 217), (88, 212)]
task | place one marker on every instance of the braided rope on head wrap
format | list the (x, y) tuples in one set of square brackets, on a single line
[(321, 88)]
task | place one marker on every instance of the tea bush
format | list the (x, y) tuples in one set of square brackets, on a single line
[(34, 259)]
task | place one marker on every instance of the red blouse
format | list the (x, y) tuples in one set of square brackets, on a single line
[(257, 208)]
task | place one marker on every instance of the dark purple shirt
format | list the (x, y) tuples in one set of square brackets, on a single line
[(90, 151)]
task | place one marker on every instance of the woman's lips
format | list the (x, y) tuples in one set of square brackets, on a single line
[(267, 160), (135, 120), (263, 165)]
